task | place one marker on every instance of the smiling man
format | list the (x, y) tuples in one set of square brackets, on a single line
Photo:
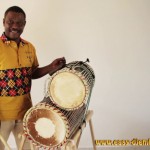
[(14, 23), (18, 66)]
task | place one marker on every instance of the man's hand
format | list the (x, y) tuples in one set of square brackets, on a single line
[(57, 64)]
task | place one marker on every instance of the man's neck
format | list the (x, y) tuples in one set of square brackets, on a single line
[(17, 40)]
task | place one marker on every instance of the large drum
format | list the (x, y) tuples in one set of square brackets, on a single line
[(49, 126), (58, 116)]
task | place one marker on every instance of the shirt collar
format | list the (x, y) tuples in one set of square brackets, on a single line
[(6, 40)]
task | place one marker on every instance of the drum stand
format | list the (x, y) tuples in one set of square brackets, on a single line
[(5, 143), (73, 143), (23, 138)]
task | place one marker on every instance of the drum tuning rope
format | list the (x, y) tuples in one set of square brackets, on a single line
[(45, 87), (79, 62)]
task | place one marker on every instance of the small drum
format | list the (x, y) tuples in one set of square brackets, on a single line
[(70, 87), (48, 126)]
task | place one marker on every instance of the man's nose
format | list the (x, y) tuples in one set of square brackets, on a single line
[(15, 25)]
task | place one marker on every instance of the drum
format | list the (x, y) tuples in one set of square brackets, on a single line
[(48, 126), (70, 87), (54, 120)]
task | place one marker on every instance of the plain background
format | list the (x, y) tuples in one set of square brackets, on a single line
[(115, 36)]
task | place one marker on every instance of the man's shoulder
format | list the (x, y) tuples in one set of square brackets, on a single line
[(26, 42)]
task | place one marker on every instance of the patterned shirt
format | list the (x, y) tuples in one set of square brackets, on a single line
[(16, 66)]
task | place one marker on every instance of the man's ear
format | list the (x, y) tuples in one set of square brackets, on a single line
[(3, 21), (24, 24)]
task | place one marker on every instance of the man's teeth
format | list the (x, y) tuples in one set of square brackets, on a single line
[(14, 31)]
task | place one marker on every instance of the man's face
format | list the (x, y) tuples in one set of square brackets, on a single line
[(14, 24)]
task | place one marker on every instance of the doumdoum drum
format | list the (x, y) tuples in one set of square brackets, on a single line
[(55, 119)]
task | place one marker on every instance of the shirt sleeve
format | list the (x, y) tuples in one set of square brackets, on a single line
[(35, 63)]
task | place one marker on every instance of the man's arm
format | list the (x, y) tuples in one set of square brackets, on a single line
[(56, 65)]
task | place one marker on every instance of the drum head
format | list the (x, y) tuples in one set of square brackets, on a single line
[(67, 90), (45, 126)]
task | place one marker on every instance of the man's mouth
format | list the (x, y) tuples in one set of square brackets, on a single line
[(14, 31)]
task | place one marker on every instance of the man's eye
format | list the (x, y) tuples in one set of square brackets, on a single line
[(10, 22), (19, 23)]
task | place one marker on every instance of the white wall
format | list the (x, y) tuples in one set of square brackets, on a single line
[(115, 36)]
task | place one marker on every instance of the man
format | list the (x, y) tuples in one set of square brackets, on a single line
[(18, 65)]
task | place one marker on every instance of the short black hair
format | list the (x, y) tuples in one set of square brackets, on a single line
[(15, 9)]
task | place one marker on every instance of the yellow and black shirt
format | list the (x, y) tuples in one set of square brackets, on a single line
[(16, 66)]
